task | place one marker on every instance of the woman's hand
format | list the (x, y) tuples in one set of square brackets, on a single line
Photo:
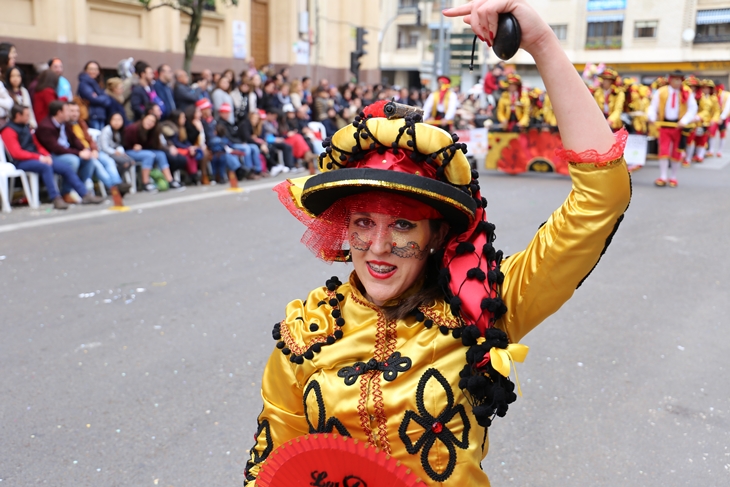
[(137, 147), (482, 16)]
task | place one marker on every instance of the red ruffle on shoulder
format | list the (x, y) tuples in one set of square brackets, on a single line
[(591, 156)]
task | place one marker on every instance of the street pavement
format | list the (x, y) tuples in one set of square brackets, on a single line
[(133, 343)]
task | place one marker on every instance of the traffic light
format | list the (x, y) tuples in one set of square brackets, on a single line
[(359, 51)]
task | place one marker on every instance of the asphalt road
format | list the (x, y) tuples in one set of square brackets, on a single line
[(133, 344)]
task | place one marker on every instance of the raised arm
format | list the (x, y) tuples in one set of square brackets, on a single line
[(568, 246), (582, 125)]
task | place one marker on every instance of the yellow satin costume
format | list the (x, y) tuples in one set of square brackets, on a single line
[(404, 398)]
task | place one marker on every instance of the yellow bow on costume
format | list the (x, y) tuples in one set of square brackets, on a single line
[(501, 358)]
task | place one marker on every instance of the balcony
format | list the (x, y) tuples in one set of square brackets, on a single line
[(606, 42)]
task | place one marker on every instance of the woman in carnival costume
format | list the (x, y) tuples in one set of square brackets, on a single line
[(412, 353)]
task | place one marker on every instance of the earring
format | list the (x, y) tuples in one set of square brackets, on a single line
[(432, 251)]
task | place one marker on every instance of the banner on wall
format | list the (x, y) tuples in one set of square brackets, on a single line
[(301, 52), (239, 39)]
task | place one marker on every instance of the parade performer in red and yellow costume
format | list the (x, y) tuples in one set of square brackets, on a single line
[(513, 108), (690, 132), (672, 108), (714, 130), (610, 98), (440, 106), (412, 353), (707, 119), (723, 97)]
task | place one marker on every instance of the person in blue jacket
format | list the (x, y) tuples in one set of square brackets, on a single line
[(163, 90), (97, 100)]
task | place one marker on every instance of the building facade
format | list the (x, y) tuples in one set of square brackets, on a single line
[(410, 41), (641, 38), (314, 37)]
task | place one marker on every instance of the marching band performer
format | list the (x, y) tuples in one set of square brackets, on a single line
[(610, 98), (513, 108), (440, 106), (672, 108)]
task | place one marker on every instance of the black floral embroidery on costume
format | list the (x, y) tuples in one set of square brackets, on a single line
[(390, 368), (259, 458), (324, 425), (435, 428)]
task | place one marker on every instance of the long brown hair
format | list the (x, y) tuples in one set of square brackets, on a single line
[(47, 79)]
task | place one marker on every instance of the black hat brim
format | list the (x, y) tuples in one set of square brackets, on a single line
[(455, 205)]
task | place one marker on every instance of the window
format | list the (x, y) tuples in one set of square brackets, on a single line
[(713, 26), (605, 33), (407, 6), (645, 28), (407, 37), (561, 31)]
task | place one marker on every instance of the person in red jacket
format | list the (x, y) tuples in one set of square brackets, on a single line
[(30, 156), (491, 83)]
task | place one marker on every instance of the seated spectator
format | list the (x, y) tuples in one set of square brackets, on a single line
[(207, 119), (414, 99), (281, 99), (267, 98), (295, 93), (249, 131), (244, 101), (307, 90), (322, 103), (91, 92), (270, 133), (31, 156), (178, 138), (201, 89), (115, 91), (223, 160), (333, 122), (298, 137), (221, 95), (104, 166), (14, 84), (45, 93), (164, 91), (56, 135), (142, 143), (251, 153), (183, 93), (194, 126), (111, 143), (142, 93)]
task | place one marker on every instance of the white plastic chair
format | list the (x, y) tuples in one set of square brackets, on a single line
[(8, 173)]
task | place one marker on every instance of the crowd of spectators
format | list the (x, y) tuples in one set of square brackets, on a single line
[(207, 130)]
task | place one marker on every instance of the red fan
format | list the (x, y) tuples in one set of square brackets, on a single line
[(333, 460)]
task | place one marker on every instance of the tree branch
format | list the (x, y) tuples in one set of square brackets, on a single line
[(173, 5)]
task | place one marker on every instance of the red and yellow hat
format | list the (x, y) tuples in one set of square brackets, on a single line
[(609, 73)]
